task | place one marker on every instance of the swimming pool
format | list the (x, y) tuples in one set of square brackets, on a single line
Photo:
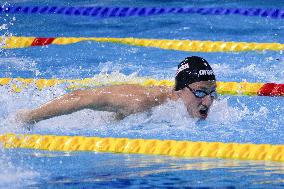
[(243, 119)]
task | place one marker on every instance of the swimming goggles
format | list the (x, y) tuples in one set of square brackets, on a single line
[(202, 94)]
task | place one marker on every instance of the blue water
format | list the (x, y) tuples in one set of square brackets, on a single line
[(232, 119)]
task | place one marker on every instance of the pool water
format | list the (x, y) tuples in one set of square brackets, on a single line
[(242, 119)]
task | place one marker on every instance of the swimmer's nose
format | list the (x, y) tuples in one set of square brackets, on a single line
[(207, 100)]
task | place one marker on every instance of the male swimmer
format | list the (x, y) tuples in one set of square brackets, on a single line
[(195, 85)]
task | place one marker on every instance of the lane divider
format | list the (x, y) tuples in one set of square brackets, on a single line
[(42, 41), (224, 88), (239, 151), (110, 12), (181, 45)]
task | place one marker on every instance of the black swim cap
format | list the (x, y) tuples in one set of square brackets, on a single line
[(193, 69)]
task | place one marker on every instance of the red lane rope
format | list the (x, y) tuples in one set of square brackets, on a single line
[(271, 89), (42, 41)]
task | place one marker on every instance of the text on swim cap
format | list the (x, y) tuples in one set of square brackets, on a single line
[(206, 72), (183, 67)]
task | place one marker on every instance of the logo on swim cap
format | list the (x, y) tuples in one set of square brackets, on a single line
[(183, 67), (193, 69), (206, 72)]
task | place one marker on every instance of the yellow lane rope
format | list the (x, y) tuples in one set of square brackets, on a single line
[(146, 146), (182, 45), (230, 88)]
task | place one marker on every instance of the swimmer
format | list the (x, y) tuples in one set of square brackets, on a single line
[(195, 85)]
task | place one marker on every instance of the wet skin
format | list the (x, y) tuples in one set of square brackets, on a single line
[(123, 100), (198, 107)]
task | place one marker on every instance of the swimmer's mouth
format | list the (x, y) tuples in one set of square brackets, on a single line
[(204, 113)]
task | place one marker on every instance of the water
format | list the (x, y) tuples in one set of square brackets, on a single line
[(240, 119)]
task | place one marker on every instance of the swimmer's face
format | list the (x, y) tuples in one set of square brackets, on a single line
[(196, 106)]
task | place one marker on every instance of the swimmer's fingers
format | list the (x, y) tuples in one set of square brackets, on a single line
[(22, 119), (27, 126), (21, 116)]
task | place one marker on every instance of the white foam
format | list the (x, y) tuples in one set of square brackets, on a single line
[(222, 112), (15, 176), (19, 63), (262, 73), (167, 121)]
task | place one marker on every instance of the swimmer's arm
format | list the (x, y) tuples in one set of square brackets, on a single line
[(65, 104)]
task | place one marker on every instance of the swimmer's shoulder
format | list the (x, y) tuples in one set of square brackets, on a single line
[(148, 90), (135, 88), (144, 93)]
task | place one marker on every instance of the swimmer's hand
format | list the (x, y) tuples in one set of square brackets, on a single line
[(22, 116), (23, 119)]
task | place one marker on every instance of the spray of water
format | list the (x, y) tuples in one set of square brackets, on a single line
[(170, 120)]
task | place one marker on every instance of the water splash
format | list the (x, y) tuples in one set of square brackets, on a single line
[(15, 176), (7, 22), (252, 71)]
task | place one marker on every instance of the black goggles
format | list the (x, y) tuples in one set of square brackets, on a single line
[(202, 94)]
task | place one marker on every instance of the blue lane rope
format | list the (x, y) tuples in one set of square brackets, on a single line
[(106, 12)]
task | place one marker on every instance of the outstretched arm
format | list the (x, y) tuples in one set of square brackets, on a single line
[(122, 99), (65, 104)]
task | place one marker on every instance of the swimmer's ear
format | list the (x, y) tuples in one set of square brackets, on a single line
[(180, 91), (176, 94)]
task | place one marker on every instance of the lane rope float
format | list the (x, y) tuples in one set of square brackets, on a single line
[(239, 151), (224, 88), (110, 12), (181, 45)]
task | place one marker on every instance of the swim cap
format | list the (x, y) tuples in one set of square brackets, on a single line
[(193, 69)]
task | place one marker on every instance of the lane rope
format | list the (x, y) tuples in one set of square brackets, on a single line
[(223, 88), (181, 45), (110, 12), (239, 151)]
